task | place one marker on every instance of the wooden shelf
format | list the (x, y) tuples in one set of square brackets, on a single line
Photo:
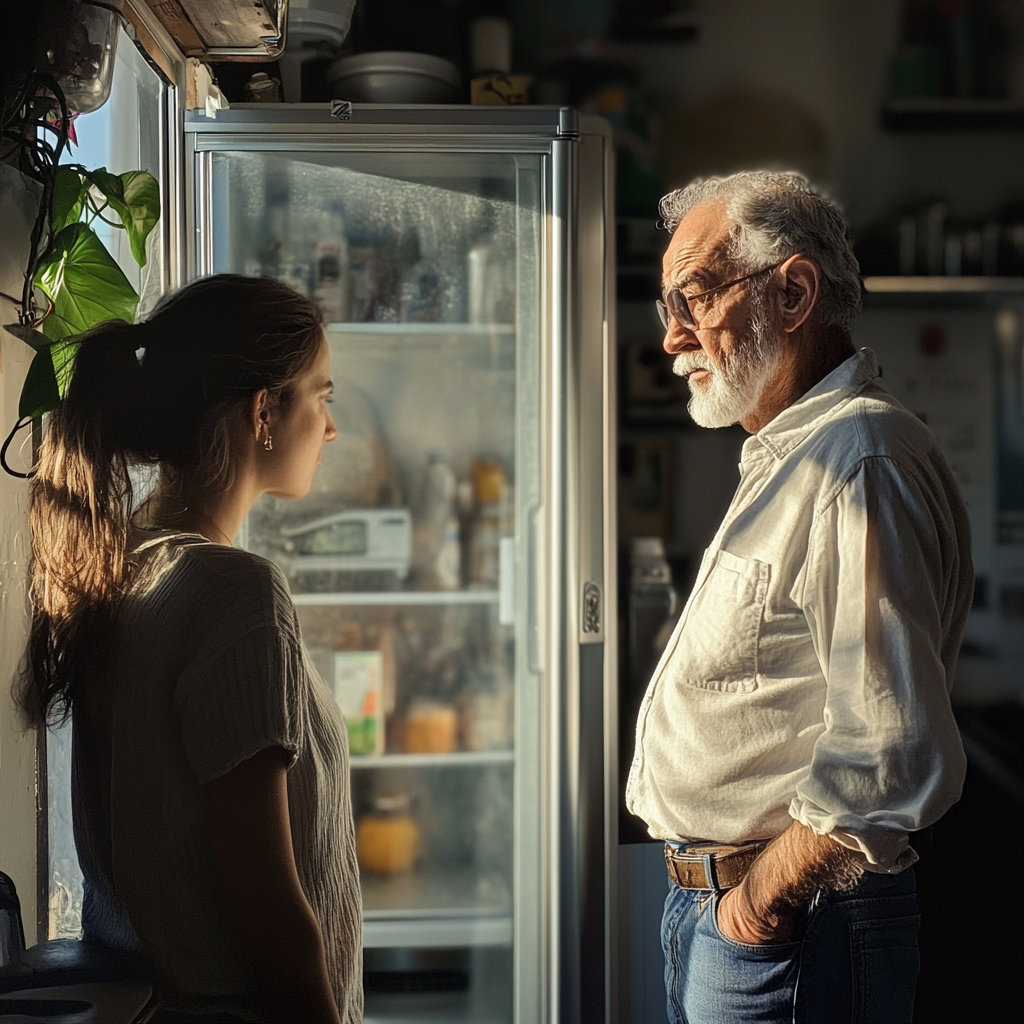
[(948, 115)]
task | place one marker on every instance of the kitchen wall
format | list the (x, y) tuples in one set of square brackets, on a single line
[(17, 747)]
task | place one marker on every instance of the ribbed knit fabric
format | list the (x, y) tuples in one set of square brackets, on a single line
[(204, 668)]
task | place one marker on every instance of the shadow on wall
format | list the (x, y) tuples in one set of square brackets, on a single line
[(738, 130)]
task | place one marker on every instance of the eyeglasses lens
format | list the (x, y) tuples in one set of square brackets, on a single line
[(675, 304)]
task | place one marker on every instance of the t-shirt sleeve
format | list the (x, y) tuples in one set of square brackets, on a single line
[(246, 696)]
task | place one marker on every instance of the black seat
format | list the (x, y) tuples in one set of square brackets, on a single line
[(60, 979)]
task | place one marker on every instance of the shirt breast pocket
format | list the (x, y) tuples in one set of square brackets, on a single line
[(718, 643)]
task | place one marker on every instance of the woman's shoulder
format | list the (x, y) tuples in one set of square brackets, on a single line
[(214, 579)]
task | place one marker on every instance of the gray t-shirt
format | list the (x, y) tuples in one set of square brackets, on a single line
[(203, 668)]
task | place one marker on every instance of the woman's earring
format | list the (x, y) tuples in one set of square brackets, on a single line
[(268, 442)]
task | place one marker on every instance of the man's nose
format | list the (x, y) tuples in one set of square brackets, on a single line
[(678, 339)]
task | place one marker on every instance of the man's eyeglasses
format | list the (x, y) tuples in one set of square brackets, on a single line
[(677, 305)]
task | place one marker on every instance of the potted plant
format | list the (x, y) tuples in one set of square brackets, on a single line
[(71, 283)]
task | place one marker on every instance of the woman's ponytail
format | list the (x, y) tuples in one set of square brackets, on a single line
[(81, 498)]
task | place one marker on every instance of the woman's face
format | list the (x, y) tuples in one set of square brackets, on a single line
[(299, 429)]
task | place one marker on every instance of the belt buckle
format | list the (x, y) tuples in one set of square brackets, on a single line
[(683, 876)]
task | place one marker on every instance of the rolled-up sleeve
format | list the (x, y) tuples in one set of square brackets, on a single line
[(881, 562)]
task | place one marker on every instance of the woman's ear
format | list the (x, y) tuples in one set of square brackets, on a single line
[(259, 413), (801, 288)]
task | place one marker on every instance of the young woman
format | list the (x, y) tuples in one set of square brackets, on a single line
[(210, 780)]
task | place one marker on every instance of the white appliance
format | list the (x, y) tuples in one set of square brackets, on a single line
[(362, 539)]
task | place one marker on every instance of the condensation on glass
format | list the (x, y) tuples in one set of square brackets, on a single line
[(409, 560)]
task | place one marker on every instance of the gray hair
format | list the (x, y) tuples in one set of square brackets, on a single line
[(777, 215)]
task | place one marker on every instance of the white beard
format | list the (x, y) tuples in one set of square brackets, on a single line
[(735, 383)]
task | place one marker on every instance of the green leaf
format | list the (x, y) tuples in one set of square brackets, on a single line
[(141, 210), (109, 184), (62, 356), (48, 377), (135, 198), (84, 284), (69, 191), (40, 393)]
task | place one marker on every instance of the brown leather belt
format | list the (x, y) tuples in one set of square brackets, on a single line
[(711, 865)]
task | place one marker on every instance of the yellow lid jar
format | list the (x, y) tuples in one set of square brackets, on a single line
[(388, 837)]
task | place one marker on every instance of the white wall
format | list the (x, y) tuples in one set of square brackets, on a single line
[(17, 747)]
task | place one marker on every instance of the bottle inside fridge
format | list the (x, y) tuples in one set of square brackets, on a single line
[(437, 551), (330, 265), (283, 257)]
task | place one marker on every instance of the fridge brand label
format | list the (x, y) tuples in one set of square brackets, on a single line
[(341, 110), (591, 608)]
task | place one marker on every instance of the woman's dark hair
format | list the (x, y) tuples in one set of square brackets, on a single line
[(154, 393)]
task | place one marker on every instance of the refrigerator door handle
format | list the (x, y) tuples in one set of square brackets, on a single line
[(506, 581), (534, 609)]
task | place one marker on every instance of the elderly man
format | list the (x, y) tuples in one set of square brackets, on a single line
[(798, 726)]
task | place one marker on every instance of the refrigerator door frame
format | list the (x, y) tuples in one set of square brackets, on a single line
[(572, 559)]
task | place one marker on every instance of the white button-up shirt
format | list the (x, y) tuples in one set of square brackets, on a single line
[(808, 677)]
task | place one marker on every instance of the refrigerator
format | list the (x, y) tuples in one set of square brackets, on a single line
[(453, 567)]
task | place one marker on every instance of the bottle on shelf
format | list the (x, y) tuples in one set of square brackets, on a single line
[(362, 278), (388, 836), (421, 293), (486, 718), (330, 265), (436, 548), (490, 280), (280, 260), (652, 607), (491, 522)]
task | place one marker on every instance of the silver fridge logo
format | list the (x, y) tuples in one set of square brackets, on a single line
[(591, 608), (341, 110)]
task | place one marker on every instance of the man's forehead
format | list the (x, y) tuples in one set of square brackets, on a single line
[(697, 244)]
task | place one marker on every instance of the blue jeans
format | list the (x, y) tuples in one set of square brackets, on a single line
[(855, 962)]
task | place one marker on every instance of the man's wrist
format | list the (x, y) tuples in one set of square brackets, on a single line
[(773, 908), (745, 921)]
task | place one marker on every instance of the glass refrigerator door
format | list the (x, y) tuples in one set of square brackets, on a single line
[(409, 560)]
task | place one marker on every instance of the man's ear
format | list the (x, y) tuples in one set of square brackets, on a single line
[(801, 286)]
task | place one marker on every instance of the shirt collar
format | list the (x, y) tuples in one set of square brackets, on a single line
[(821, 403)]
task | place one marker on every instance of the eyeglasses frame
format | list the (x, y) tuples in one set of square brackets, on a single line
[(664, 312)]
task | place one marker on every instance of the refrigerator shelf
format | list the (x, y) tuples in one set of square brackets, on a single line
[(397, 597), (436, 907), (396, 327), (455, 932), (456, 759)]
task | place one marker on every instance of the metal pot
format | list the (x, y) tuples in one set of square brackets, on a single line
[(394, 77)]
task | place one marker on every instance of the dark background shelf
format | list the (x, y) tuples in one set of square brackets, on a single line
[(952, 116)]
